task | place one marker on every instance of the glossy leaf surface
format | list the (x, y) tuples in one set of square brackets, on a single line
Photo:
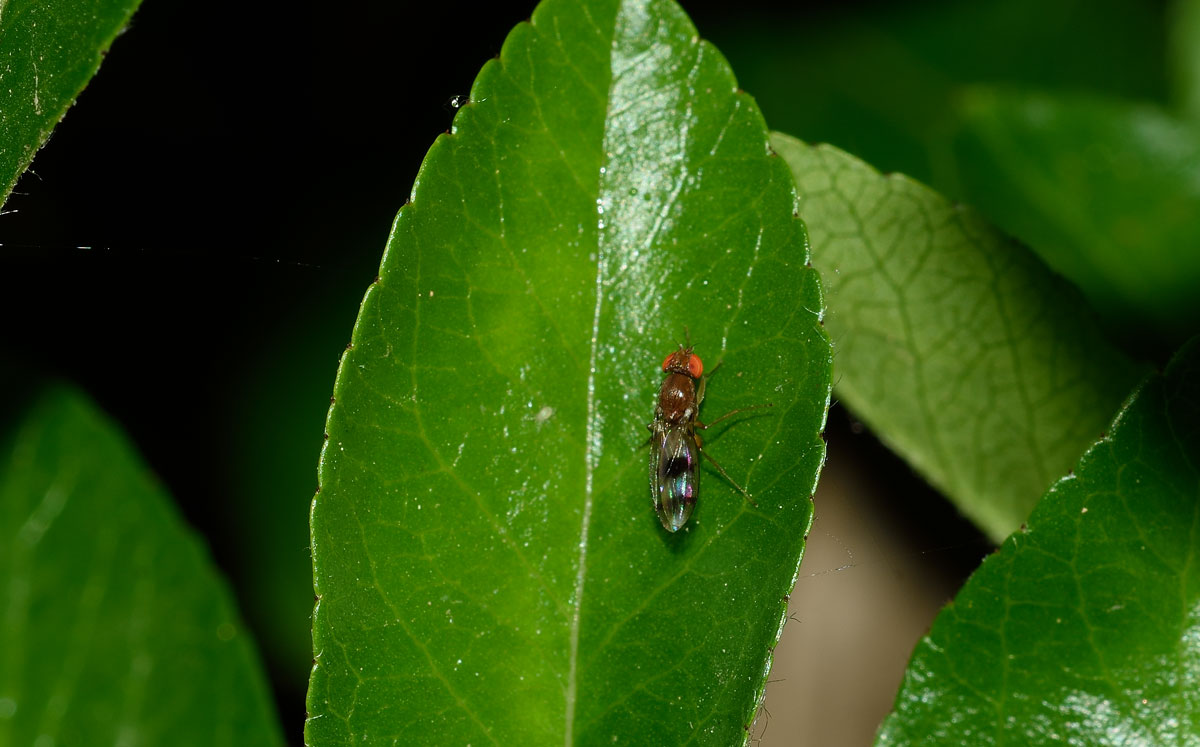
[(116, 627), (954, 343), (48, 53), (1084, 628), (1106, 191), (488, 565)]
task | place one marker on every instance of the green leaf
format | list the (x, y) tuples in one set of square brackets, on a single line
[(48, 53), (116, 627), (960, 350), (488, 565), (1183, 56), (1105, 191), (898, 121), (1084, 628)]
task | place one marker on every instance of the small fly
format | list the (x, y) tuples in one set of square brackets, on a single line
[(675, 448)]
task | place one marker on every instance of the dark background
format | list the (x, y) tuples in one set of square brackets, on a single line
[(191, 245)]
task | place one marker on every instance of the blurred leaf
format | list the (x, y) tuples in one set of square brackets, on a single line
[(1183, 56), (1084, 628), (488, 565), (48, 53), (877, 79), (272, 451), (959, 349), (1107, 192), (116, 627)]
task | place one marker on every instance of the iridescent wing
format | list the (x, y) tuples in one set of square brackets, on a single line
[(674, 464)]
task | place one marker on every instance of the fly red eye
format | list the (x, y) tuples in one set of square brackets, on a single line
[(667, 361), (695, 367)]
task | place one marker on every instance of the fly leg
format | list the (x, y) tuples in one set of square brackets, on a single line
[(725, 474), (733, 412), (703, 382), (650, 438), (700, 446), (700, 399), (702, 426)]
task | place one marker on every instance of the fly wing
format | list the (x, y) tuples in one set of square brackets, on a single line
[(673, 476), (658, 439)]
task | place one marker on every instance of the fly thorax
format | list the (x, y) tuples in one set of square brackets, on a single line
[(677, 397)]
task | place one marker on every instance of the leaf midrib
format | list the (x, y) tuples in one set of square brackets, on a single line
[(592, 449), (593, 442)]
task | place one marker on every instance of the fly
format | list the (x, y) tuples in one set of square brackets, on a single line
[(675, 447)]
